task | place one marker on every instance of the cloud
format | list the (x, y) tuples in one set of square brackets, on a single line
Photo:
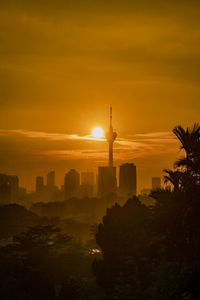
[(164, 134), (62, 63), (61, 58), (28, 153), (48, 136), (138, 145)]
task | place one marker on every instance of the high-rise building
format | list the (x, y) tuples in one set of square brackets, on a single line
[(51, 179), (156, 183), (87, 184), (87, 178), (9, 188), (39, 184), (107, 182), (128, 179), (72, 184), (14, 182)]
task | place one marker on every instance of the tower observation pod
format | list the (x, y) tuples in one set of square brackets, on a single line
[(111, 135)]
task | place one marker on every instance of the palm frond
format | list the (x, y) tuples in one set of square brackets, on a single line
[(181, 162)]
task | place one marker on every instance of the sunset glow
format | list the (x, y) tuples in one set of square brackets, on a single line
[(100, 149), (71, 60), (97, 132)]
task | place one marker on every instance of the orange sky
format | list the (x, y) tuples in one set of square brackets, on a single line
[(63, 62)]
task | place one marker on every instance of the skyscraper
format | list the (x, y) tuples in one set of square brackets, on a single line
[(156, 183), (39, 184), (72, 184), (107, 182), (9, 188), (87, 178), (14, 183), (5, 189), (128, 179), (51, 179), (87, 184)]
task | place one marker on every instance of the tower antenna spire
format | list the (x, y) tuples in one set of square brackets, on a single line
[(111, 136), (110, 116)]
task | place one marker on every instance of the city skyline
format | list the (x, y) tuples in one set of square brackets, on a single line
[(97, 135), (140, 149), (63, 63), (99, 149)]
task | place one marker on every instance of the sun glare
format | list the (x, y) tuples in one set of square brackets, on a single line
[(97, 132)]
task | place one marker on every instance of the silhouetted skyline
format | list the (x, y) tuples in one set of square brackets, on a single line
[(95, 207), (64, 62)]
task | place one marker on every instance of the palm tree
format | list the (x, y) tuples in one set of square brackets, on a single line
[(190, 142), (173, 177)]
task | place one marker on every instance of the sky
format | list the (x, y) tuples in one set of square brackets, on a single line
[(62, 63)]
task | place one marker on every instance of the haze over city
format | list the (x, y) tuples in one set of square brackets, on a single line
[(99, 149), (63, 63)]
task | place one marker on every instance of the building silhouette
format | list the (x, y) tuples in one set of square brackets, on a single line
[(87, 184), (72, 184), (128, 179), (111, 135), (51, 179), (39, 184), (107, 181), (9, 188), (156, 183), (87, 178), (14, 182)]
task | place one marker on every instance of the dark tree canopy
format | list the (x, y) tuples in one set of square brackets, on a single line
[(154, 252)]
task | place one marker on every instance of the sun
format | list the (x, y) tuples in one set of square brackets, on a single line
[(97, 132)]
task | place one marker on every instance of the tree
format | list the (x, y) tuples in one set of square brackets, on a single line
[(190, 142), (187, 173), (123, 241), (188, 138), (154, 253), (29, 263), (174, 178)]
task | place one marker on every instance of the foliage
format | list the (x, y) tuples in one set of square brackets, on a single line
[(39, 262), (147, 252), (154, 252)]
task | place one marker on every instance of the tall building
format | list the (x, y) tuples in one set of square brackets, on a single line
[(72, 184), (9, 188), (87, 184), (156, 183), (14, 182), (128, 179), (87, 178), (39, 184), (107, 182), (5, 189), (51, 179)]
